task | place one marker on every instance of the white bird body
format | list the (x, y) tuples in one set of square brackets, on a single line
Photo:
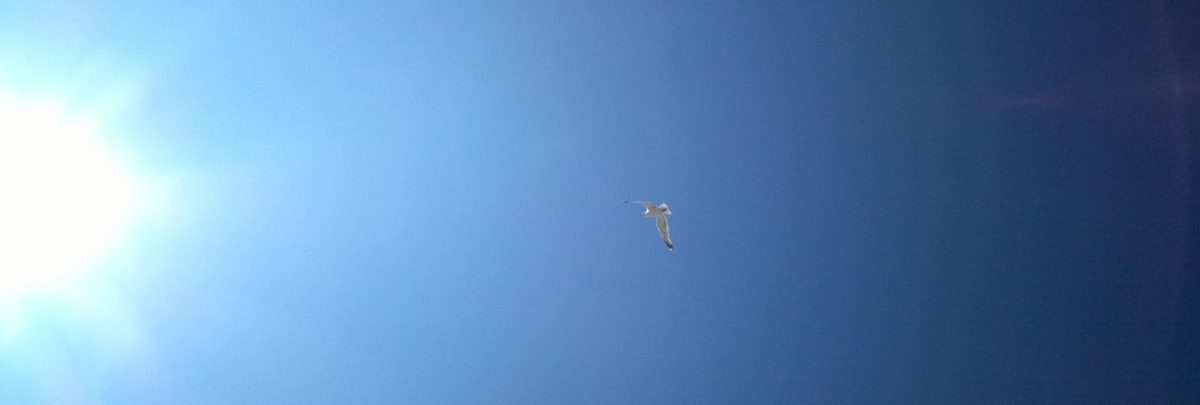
[(659, 213)]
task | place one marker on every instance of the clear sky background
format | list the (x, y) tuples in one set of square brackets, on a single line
[(988, 202)]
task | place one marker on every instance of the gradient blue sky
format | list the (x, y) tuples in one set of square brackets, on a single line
[(987, 202)]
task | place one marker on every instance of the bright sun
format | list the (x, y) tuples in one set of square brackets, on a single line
[(63, 198)]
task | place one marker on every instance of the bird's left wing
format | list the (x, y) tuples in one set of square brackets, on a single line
[(662, 230)]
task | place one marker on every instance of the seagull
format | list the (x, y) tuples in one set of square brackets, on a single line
[(660, 216)]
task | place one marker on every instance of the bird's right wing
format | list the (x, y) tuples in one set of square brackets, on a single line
[(649, 205)]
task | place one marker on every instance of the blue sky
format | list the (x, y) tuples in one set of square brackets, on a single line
[(421, 202)]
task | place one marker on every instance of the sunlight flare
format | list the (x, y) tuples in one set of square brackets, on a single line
[(63, 197)]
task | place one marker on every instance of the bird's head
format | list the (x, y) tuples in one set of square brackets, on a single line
[(666, 211)]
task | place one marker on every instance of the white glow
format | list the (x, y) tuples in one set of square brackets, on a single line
[(63, 198)]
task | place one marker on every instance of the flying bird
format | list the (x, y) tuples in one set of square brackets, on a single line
[(660, 216)]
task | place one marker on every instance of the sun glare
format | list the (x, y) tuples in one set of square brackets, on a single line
[(63, 197)]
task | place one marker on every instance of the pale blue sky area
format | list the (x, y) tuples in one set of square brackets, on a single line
[(422, 202)]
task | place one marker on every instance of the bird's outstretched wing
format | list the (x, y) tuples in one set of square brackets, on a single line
[(649, 205), (662, 230)]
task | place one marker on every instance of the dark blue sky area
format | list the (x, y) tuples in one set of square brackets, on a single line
[(959, 202)]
